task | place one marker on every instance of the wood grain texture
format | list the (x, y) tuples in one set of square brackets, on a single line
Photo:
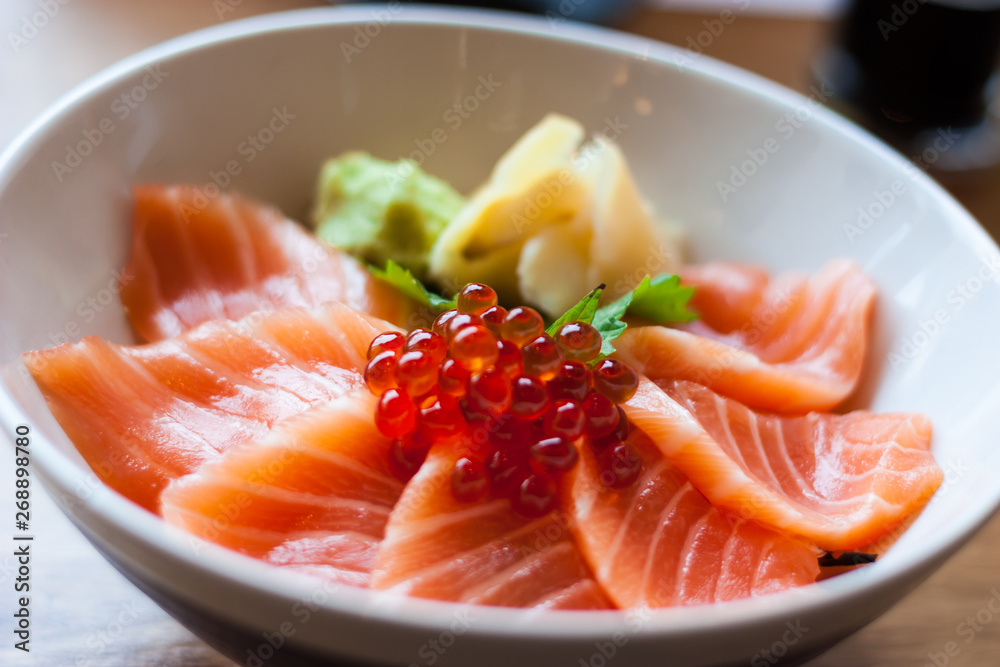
[(86, 614)]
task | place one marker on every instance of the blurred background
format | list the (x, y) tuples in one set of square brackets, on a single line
[(920, 73), (907, 69)]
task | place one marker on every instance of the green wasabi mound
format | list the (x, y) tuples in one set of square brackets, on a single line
[(379, 210)]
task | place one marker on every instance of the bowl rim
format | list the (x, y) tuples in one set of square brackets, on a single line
[(62, 474)]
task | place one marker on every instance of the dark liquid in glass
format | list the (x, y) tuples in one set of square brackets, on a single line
[(910, 66)]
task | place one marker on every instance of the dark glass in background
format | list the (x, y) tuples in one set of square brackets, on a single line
[(918, 72)]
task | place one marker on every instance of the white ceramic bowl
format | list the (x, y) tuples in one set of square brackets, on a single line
[(685, 122)]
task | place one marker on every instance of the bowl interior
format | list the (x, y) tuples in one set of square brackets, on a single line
[(754, 173)]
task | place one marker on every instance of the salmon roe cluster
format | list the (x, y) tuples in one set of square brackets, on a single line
[(518, 400)]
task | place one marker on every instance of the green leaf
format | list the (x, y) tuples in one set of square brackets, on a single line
[(583, 311), (609, 324), (661, 300), (406, 283)]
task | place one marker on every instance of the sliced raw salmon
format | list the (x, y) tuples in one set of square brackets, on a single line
[(313, 495), (142, 416), (437, 547), (660, 543), (196, 259), (840, 481), (790, 344)]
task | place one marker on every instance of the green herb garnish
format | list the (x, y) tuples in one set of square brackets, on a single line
[(661, 300), (408, 284), (584, 311)]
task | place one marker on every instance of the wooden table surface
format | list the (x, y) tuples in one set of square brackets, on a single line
[(85, 614)]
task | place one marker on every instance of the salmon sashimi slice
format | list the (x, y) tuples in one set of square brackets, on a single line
[(840, 481), (142, 416), (196, 259), (313, 495), (660, 543), (790, 344), (484, 553)]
